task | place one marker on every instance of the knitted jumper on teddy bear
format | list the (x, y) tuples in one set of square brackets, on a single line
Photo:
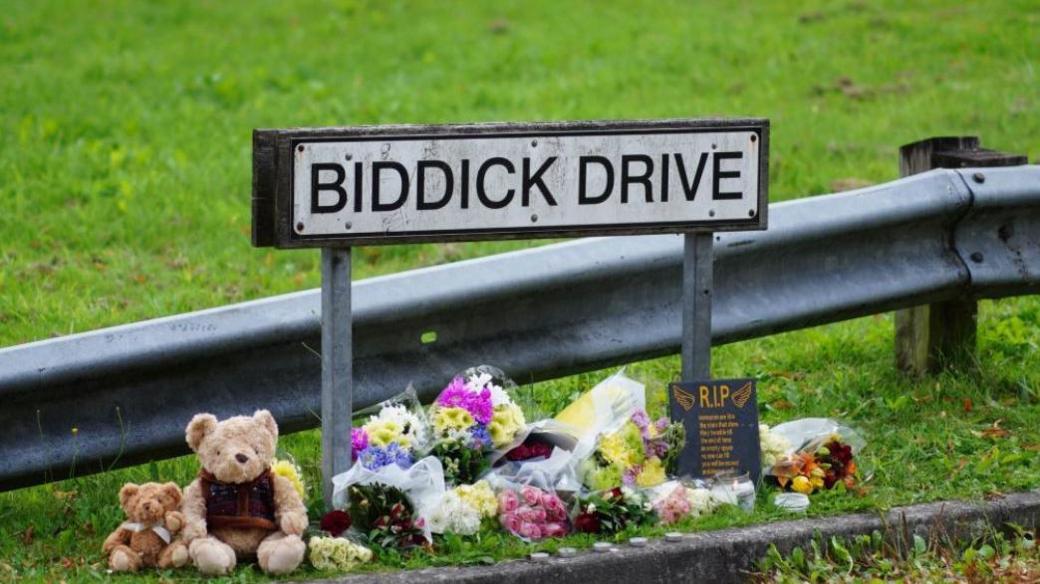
[(239, 505)]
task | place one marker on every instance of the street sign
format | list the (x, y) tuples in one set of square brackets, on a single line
[(334, 188), (400, 184)]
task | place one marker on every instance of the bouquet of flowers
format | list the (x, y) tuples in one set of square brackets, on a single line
[(463, 508), (395, 431), (613, 510), (471, 417), (532, 513), (640, 453), (675, 500), (824, 456), (336, 553), (330, 551), (385, 516)]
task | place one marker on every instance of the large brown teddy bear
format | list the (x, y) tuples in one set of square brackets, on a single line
[(237, 509), (146, 539)]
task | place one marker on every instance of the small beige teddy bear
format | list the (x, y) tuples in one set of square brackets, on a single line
[(147, 538)]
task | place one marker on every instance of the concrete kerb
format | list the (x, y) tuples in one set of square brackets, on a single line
[(728, 555)]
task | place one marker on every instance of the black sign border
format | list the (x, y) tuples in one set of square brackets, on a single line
[(273, 179)]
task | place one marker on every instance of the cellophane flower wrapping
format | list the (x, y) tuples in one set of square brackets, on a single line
[(336, 554), (395, 431), (462, 509), (390, 505), (602, 409), (640, 453), (532, 511), (612, 510), (822, 455), (471, 418)]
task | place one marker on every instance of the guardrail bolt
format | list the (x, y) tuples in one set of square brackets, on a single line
[(977, 257), (979, 177)]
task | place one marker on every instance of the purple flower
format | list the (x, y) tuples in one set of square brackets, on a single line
[(640, 419), (661, 424), (358, 441), (630, 474), (480, 436), (375, 458), (455, 395)]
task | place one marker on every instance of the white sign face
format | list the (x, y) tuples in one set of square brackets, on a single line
[(401, 187)]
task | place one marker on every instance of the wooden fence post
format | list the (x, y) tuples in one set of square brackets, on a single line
[(937, 336)]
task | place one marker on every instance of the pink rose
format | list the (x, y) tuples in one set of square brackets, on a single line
[(559, 514), (531, 495), (553, 503), (554, 529), (511, 522), (530, 531), (507, 502)]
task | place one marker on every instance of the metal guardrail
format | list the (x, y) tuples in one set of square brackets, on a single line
[(122, 395)]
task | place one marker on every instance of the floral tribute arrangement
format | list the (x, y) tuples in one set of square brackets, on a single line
[(472, 417), (462, 509), (395, 431), (823, 468), (330, 551), (385, 517), (824, 458), (532, 513), (640, 453), (613, 510)]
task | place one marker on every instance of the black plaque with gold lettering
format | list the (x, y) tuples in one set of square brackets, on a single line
[(721, 420)]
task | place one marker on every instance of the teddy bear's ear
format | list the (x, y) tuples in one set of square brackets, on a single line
[(173, 491), (127, 493), (265, 418), (198, 427)]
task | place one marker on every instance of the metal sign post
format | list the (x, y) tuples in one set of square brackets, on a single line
[(337, 365), (697, 288), (338, 187)]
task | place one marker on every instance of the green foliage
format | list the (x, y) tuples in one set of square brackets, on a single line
[(993, 557)]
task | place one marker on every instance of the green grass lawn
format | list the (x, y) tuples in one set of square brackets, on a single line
[(125, 179)]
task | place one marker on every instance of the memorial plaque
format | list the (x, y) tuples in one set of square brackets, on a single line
[(721, 421)]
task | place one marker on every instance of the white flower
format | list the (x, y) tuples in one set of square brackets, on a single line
[(416, 432), (479, 381), (591, 508), (701, 501), (454, 515), (772, 445), (337, 553)]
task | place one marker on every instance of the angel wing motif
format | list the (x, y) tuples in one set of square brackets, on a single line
[(742, 395), (685, 398)]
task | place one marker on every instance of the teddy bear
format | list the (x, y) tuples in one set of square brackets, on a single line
[(146, 539), (237, 509)]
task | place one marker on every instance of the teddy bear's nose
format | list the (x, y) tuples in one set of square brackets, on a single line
[(241, 458)]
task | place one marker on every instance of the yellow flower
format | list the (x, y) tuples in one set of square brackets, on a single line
[(286, 469), (447, 419), (383, 432), (480, 497), (506, 421), (652, 473), (801, 484), (616, 450)]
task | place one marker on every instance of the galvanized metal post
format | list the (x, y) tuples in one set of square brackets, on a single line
[(337, 368), (698, 281)]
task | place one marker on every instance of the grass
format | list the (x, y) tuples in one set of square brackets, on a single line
[(994, 557), (125, 192)]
